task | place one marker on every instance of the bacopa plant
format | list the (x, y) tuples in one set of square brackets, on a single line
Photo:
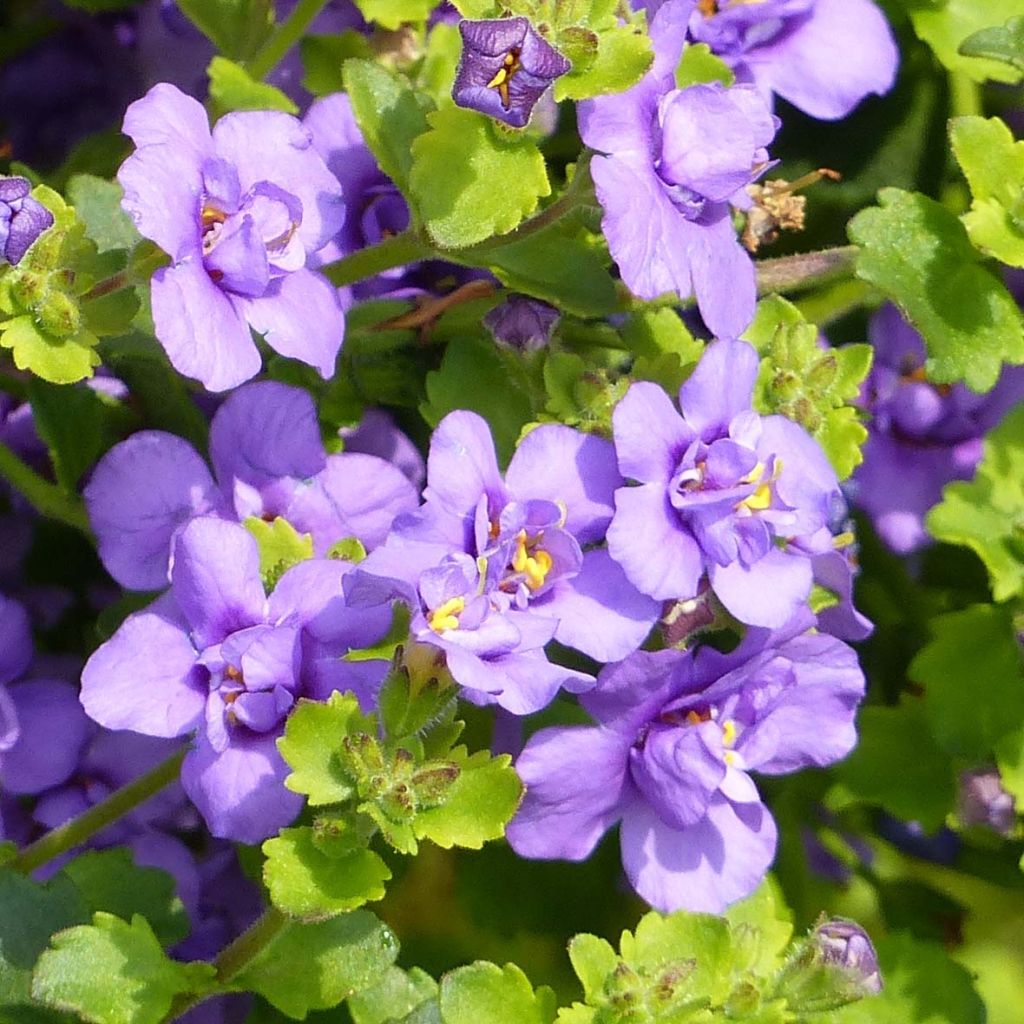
[(511, 513)]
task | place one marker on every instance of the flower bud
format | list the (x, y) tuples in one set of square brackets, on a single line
[(845, 944), (22, 219), (522, 323), (983, 801)]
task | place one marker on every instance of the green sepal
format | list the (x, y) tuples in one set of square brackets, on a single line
[(281, 547)]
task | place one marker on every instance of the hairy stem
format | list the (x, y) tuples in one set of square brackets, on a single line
[(135, 273), (46, 498), (805, 270), (288, 33), (76, 831), (396, 251)]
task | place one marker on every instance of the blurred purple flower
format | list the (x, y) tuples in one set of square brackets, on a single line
[(218, 655), (672, 163), (922, 436), (982, 800), (22, 219), (669, 757), (268, 461), (15, 657), (505, 67), (239, 211), (824, 56), (720, 488)]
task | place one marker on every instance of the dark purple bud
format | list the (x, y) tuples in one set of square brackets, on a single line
[(983, 801), (845, 944), (522, 323), (22, 219), (505, 68)]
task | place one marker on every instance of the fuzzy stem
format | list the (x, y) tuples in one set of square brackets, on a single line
[(76, 831), (805, 270), (288, 33), (46, 498), (396, 251)]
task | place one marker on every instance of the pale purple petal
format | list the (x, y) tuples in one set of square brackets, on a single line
[(199, 328), (559, 464), (720, 388), (724, 280), (53, 731), (263, 432), (575, 782), (659, 557), (141, 492), (145, 677), (630, 693), (599, 611), (767, 593), (215, 579), (650, 435), (841, 53), (702, 868), (240, 792), (15, 639), (462, 464), (301, 316)]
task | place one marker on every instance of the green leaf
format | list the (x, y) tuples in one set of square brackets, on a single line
[(315, 966), (111, 972), (281, 547), (77, 425), (477, 806), (483, 993), (29, 915), (810, 385), (624, 54), (698, 65), (476, 375), (440, 61), (393, 998), (57, 360), (898, 766), (475, 8), (237, 27), (311, 738), (1004, 43), (918, 254), (110, 880), (98, 203), (979, 642), (666, 351), (306, 883), (986, 513), (945, 28), (390, 116), (766, 922), (567, 271), (593, 960), (324, 56), (994, 166), (392, 14), (470, 180), (233, 88), (922, 986)]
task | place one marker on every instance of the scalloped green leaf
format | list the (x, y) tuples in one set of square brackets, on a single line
[(484, 993)]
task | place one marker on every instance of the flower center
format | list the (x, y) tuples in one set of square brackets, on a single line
[(446, 616), (534, 566), (504, 74)]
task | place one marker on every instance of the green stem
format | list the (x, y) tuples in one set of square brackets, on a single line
[(965, 99), (805, 270), (135, 273), (393, 252), (235, 958), (291, 30), (46, 498), (99, 816)]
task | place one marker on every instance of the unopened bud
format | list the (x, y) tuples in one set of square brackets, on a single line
[(845, 944), (22, 219)]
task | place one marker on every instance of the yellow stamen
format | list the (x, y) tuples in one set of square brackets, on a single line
[(728, 733), (534, 567), (211, 215), (504, 75), (696, 717), (446, 616)]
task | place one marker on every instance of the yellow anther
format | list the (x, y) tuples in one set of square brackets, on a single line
[(728, 733), (760, 499), (730, 758), (446, 616), (534, 567), (211, 215), (754, 475), (503, 76), (499, 79), (696, 717)]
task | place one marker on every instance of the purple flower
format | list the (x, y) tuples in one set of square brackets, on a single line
[(505, 68), (522, 323), (240, 211), (922, 436), (15, 657), (982, 801), (495, 568), (846, 945), (374, 208), (268, 461), (22, 219), (669, 757), (722, 491), (377, 434), (824, 56), (674, 162), (218, 656)]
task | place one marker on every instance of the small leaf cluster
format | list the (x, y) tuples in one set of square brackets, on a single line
[(395, 773)]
